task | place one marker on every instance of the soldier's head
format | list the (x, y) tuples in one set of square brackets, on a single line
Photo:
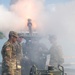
[(13, 36), (19, 39), (52, 38)]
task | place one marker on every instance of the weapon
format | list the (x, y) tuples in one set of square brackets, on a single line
[(50, 71)]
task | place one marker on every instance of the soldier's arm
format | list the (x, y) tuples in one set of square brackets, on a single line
[(19, 52), (8, 53)]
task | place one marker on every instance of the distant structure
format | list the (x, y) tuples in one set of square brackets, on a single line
[(13, 1), (29, 24)]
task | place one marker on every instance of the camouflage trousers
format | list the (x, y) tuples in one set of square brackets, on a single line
[(8, 68), (12, 72), (18, 72)]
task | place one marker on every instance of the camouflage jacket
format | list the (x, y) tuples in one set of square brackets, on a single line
[(9, 55), (56, 55), (19, 53)]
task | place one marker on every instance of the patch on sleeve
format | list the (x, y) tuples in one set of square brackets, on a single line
[(8, 48)]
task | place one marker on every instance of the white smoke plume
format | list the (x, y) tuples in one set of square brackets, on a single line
[(57, 19), (9, 20), (28, 8)]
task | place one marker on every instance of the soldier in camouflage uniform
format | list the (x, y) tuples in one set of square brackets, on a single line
[(56, 55), (19, 55), (9, 55)]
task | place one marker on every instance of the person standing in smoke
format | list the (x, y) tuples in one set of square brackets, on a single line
[(56, 56), (9, 55), (19, 55)]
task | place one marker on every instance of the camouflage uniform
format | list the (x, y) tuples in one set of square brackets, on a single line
[(56, 57), (9, 60), (9, 55), (19, 56)]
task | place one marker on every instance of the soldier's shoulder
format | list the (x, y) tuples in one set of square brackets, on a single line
[(6, 44)]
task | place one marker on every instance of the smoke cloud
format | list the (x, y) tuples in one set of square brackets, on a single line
[(27, 8), (9, 20), (57, 19)]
